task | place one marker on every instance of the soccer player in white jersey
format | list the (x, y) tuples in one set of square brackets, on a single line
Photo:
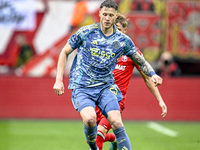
[(91, 78), (122, 74)]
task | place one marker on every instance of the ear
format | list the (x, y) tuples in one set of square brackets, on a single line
[(125, 29), (117, 14)]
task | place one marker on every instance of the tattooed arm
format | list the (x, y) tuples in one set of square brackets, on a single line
[(146, 68)]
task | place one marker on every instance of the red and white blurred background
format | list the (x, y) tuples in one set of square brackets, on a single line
[(155, 26)]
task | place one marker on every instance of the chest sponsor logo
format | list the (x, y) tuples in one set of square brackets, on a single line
[(101, 53), (119, 67)]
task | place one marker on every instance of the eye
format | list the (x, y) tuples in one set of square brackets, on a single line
[(104, 14)]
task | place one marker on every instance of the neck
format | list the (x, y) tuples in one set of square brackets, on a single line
[(107, 31)]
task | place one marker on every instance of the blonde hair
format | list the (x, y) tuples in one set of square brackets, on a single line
[(122, 20)]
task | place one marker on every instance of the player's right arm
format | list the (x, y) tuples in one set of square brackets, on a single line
[(62, 61)]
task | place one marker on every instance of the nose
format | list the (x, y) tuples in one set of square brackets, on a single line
[(108, 17)]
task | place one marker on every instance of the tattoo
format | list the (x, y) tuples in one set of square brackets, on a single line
[(142, 63)]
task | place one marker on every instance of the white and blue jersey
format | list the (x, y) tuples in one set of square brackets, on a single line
[(97, 55)]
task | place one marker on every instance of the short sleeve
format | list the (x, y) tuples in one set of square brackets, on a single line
[(77, 39), (130, 48)]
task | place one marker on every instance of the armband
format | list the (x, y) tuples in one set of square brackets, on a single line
[(152, 73)]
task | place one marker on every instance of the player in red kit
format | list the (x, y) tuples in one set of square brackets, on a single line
[(122, 73)]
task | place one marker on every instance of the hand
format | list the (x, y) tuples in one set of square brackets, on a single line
[(58, 88), (157, 79), (164, 108)]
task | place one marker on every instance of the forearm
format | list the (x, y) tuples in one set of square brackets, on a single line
[(151, 86), (62, 61), (153, 89), (143, 64), (61, 66)]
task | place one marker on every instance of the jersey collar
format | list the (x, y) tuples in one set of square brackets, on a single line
[(106, 37)]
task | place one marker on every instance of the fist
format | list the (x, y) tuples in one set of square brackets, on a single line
[(157, 79), (58, 88)]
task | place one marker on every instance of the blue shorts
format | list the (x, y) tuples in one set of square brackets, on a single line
[(106, 97)]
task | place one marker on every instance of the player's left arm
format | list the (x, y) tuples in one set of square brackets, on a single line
[(146, 68), (154, 90)]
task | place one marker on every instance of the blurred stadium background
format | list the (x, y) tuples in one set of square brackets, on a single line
[(32, 33)]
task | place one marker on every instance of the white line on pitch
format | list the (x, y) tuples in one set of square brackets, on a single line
[(162, 129)]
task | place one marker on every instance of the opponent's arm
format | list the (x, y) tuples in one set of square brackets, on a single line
[(62, 60), (154, 90), (146, 68)]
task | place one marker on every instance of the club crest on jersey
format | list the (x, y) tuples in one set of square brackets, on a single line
[(124, 58), (116, 45)]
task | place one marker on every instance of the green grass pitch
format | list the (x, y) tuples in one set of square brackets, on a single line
[(69, 135)]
